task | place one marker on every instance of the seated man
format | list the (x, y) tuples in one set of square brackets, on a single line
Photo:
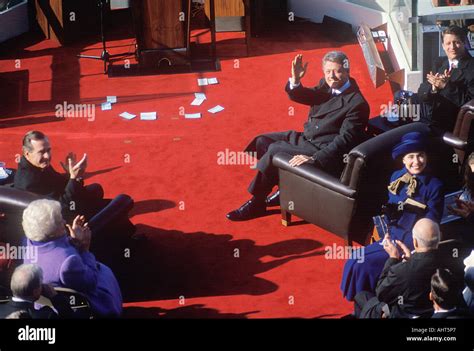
[(336, 123), (450, 86), (404, 285), (27, 287), (35, 174), (66, 260), (446, 295)]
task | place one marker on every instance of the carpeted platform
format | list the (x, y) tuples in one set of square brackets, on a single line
[(193, 262)]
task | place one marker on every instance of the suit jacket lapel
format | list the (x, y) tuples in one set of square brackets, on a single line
[(337, 102), (333, 104), (458, 73), (444, 66)]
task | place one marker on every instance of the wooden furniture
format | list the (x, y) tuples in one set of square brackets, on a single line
[(162, 31), (67, 20), (229, 16)]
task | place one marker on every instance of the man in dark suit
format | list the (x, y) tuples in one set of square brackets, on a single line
[(446, 295), (36, 174), (336, 123), (405, 282), (27, 287), (451, 85)]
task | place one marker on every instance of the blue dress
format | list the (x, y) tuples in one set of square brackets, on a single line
[(360, 276)]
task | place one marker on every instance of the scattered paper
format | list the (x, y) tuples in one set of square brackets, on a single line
[(148, 116), (127, 115), (106, 106), (201, 96), (112, 99), (216, 109), (207, 81), (192, 115), (197, 102)]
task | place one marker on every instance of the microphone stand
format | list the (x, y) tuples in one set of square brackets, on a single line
[(105, 56)]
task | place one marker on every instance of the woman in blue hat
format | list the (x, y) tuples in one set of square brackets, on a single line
[(413, 194)]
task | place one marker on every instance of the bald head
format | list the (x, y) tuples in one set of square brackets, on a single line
[(26, 282), (426, 234)]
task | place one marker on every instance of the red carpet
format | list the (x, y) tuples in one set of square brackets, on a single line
[(255, 269)]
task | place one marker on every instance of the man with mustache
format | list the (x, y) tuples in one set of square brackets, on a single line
[(336, 123), (36, 174)]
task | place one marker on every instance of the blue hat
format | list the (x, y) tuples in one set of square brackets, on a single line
[(411, 142)]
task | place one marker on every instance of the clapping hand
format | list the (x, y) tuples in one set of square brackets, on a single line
[(438, 81), (464, 208), (390, 247), (80, 233), (75, 169), (298, 69), (405, 249)]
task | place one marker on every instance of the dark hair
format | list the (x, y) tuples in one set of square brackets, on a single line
[(455, 30), (32, 135), (337, 57), (445, 289)]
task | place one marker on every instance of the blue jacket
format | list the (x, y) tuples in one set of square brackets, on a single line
[(63, 265), (429, 191)]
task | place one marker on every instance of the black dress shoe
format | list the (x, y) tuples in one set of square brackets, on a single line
[(249, 210), (273, 199)]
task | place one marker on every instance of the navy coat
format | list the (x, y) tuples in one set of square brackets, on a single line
[(360, 276)]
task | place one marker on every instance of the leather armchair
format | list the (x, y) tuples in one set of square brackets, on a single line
[(344, 206), (13, 201), (461, 139)]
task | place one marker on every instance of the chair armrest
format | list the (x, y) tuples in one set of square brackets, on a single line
[(454, 141), (464, 121), (12, 197), (313, 174)]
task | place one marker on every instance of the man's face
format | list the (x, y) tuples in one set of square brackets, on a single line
[(40, 155), (415, 162), (335, 74), (453, 46)]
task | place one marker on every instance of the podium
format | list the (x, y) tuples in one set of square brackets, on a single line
[(163, 32), (67, 21)]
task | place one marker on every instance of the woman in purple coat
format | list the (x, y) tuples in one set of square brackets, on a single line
[(66, 260), (425, 196)]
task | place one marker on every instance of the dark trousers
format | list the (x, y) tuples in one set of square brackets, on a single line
[(367, 305), (266, 146), (103, 214)]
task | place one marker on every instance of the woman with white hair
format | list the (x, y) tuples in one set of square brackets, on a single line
[(65, 257)]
